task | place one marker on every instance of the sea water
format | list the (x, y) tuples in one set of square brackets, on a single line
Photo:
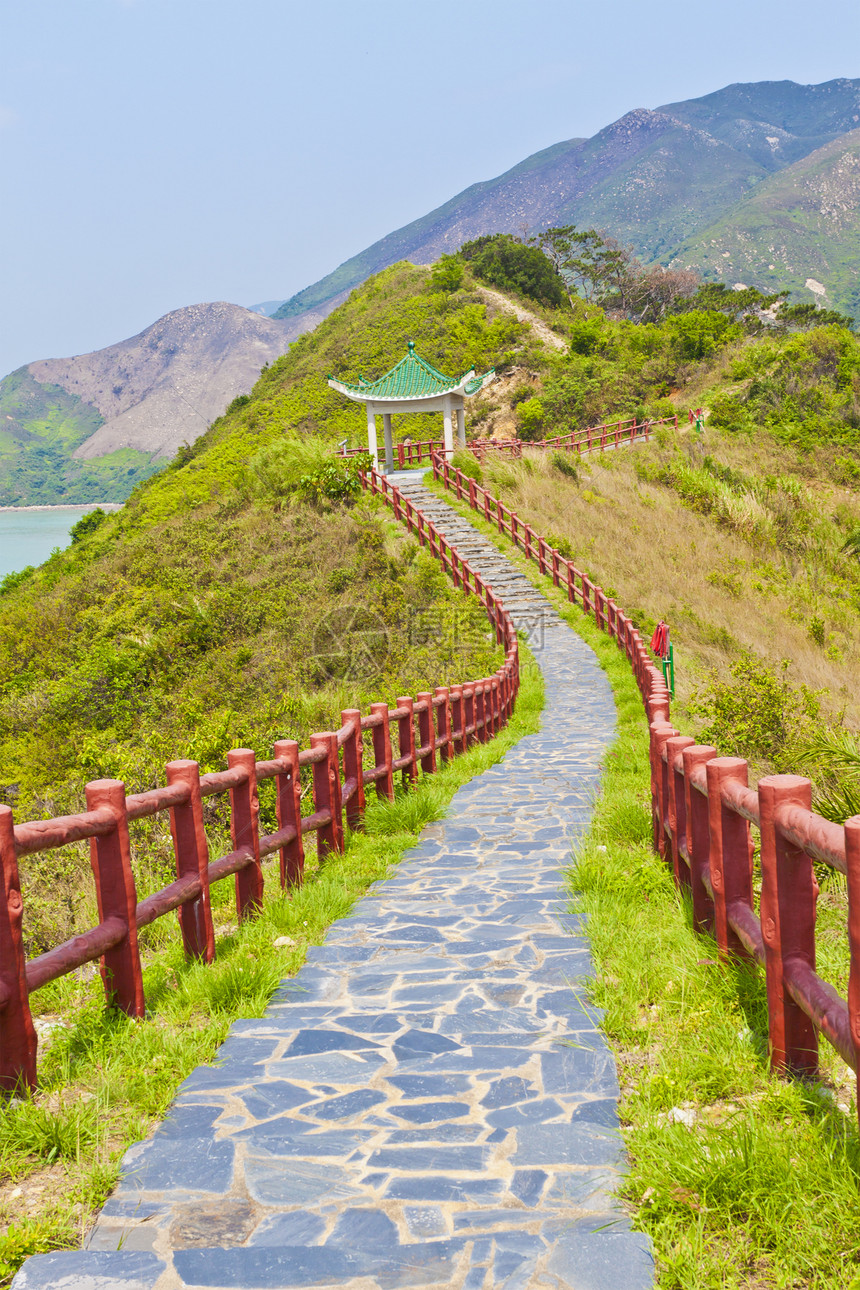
[(28, 536)]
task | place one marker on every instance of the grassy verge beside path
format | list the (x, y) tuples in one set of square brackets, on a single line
[(104, 1080), (742, 1180)]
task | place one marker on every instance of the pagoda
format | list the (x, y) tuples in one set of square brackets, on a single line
[(413, 385)]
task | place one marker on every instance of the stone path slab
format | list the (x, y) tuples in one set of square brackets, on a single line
[(430, 1101)]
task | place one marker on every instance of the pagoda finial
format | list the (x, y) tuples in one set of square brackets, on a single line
[(412, 347)]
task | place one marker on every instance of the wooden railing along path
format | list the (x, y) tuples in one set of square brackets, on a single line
[(702, 808), (592, 439), (448, 722)]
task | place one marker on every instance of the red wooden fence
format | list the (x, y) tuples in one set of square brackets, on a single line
[(702, 809), (591, 439), (448, 722)]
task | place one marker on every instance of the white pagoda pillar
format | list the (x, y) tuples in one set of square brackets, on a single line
[(389, 444), (371, 436), (449, 429), (461, 426)]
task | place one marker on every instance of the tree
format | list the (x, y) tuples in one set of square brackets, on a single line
[(600, 270), (583, 260), (504, 261), (809, 315), (447, 274)]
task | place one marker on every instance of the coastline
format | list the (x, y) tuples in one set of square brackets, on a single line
[(68, 506)]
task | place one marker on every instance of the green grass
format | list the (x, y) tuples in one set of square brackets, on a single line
[(105, 1079), (762, 1190)]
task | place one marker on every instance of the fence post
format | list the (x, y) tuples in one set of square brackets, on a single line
[(288, 803), (660, 731), (110, 857), (528, 542), (382, 750), (245, 831), (18, 1041), (457, 719), (499, 516), (555, 568), (468, 715), (192, 860), (352, 766), (698, 837), (852, 857), (406, 740), (571, 584), (327, 796), (730, 858), (586, 594), (678, 807), (788, 897), (427, 733), (443, 723), (480, 692)]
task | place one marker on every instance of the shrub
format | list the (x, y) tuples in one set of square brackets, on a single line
[(586, 337), (469, 464), (760, 716), (447, 274), (701, 332), (531, 417), (566, 465), (505, 262), (88, 524), (305, 468)]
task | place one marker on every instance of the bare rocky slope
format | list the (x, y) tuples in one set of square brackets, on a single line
[(163, 387), (92, 427), (654, 179)]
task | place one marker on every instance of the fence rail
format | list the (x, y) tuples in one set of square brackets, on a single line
[(428, 727), (597, 438), (702, 808)]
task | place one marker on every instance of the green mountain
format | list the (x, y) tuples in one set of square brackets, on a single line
[(41, 426), (206, 614), (88, 428), (653, 178), (799, 230)]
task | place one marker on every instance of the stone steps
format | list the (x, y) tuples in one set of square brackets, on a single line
[(430, 1102)]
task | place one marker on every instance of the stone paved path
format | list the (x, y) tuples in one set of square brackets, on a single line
[(430, 1102)]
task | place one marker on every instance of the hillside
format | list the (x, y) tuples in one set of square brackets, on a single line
[(91, 427), (799, 230), (653, 178), (750, 177), (745, 538), (147, 637), (215, 612)]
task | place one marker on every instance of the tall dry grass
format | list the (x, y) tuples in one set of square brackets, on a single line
[(743, 575)]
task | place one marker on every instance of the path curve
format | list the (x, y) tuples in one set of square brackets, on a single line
[(541, 329), (430, 1101)]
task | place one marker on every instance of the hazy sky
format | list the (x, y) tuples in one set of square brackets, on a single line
[(157, 153)]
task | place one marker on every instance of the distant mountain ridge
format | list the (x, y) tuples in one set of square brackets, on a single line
[(799, 229), (654, 178), (756, 183), (89, 428)]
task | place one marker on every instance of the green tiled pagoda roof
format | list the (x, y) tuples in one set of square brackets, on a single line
[(412, 378)]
